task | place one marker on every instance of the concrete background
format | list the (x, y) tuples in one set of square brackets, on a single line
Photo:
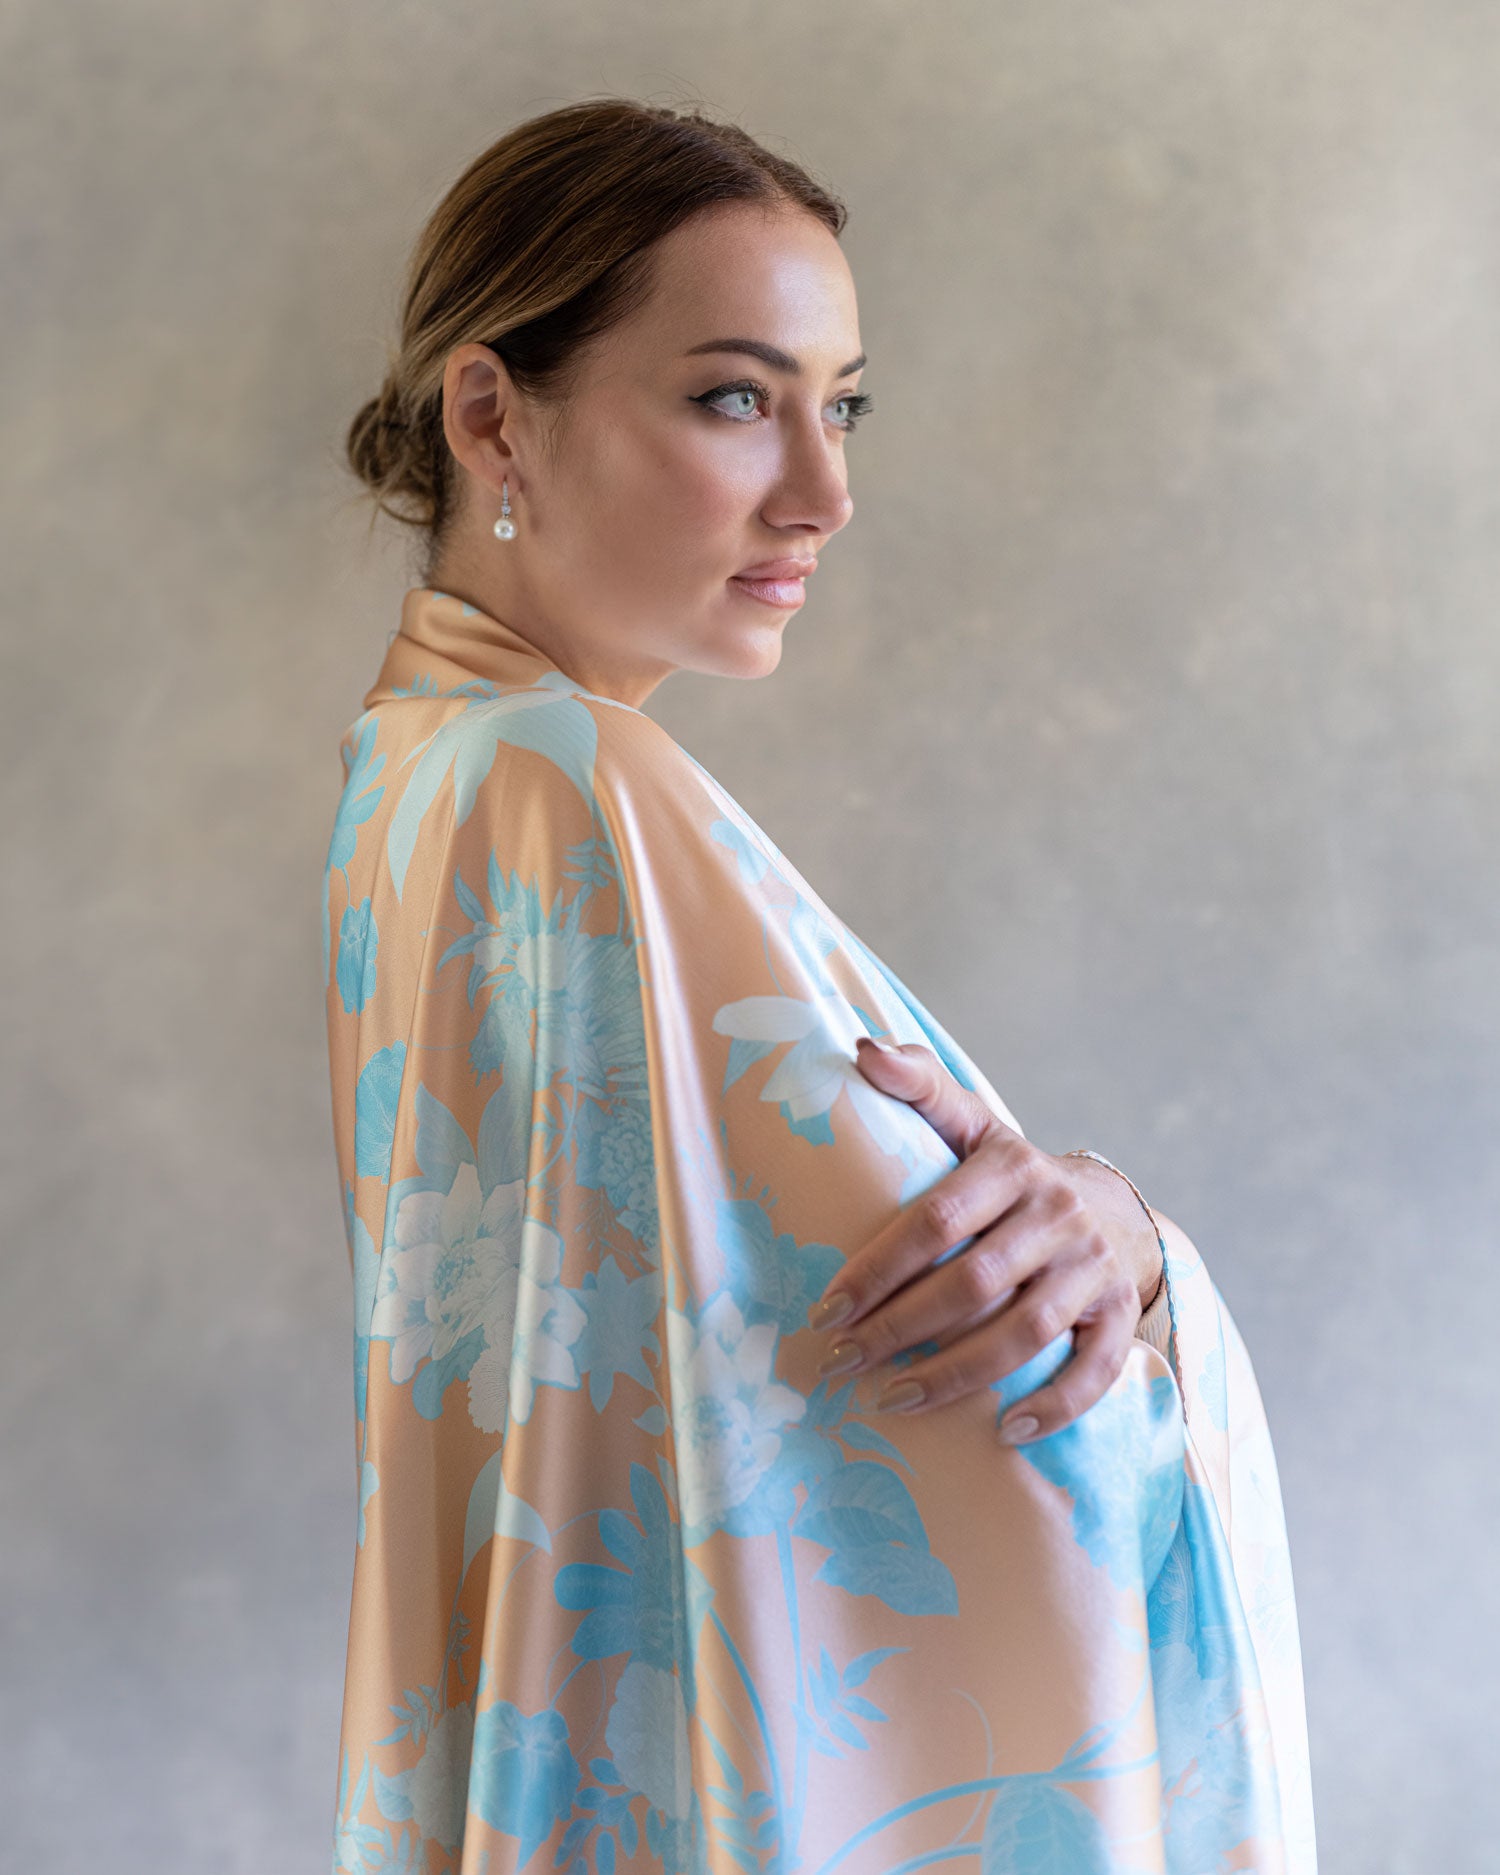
[(1155, 685)]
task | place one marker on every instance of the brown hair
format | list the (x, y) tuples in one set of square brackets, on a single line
[(541, 245)]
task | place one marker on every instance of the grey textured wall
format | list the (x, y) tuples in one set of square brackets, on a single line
[(1144, 719)]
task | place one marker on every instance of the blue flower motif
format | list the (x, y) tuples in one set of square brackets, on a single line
[(1194, 1601), (752, 860), (369, 1484), (358, 939), (1202, 1662), (636, 1609), (1121, 1462), (362, 1849), (356, 804), (617, 1330), (626, 1167), (771, 1276), (523, 1776), (570, 997), (1200, 1668), (376, 1096), (1037, 1828)]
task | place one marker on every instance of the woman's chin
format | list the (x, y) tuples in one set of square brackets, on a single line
[(755, 656), (741, 647)]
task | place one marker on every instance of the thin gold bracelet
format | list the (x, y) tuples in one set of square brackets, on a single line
[(1087, 1152)]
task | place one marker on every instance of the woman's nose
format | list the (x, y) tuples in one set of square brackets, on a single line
[(811, 493)]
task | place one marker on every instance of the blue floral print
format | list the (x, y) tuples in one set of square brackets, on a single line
[(635, 1586)]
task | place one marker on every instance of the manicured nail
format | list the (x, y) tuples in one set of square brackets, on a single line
[(831, 1310), (875, 1042), (904, 1393), (841, 1357), (1021, 1428)]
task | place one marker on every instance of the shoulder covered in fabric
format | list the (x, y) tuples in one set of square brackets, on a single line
[(596, 749), (538, 772), (575, 799), (724, 873), (541, 760)]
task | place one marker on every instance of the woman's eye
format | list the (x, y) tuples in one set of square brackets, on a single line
[(752, 394), (753, 402), (727, 391), (858, 404)]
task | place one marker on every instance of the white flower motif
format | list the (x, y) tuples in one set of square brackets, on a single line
[(438, 1783), (1273, 1617), (459, 1263), (823, 1063), (542, 958), (727, 1411), (454, 1266), (548, 1322), (489, 1389), (648, 1740)]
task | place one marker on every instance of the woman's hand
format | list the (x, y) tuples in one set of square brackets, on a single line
[(1041, 1225)]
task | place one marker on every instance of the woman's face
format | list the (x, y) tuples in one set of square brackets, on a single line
[(680, 462)]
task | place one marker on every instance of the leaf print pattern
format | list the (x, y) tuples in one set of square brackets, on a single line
[(635, 1588), (357, 803)]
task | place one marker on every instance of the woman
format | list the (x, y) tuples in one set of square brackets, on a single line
[(647, 1575)]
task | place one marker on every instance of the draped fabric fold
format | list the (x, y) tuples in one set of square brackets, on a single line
[(633, 1588)]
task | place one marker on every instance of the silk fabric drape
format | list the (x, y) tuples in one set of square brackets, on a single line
[(633, 1589)]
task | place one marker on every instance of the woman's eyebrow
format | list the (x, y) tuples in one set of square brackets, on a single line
[(770, 354)]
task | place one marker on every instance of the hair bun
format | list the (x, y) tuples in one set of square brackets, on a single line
[(540, 247)]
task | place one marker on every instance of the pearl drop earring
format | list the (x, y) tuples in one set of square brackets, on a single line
[(505, 527)]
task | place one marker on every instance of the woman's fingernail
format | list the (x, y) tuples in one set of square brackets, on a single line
[(1022, 1428), (875, 1042), (904, 1393), (831, 1310), (841, 1357)]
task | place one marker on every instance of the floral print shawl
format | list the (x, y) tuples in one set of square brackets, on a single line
[(633, 1588)]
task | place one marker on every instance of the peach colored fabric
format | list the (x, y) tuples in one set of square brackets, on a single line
[(633, 1588)]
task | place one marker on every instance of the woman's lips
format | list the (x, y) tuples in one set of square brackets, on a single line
[(781, 592)]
